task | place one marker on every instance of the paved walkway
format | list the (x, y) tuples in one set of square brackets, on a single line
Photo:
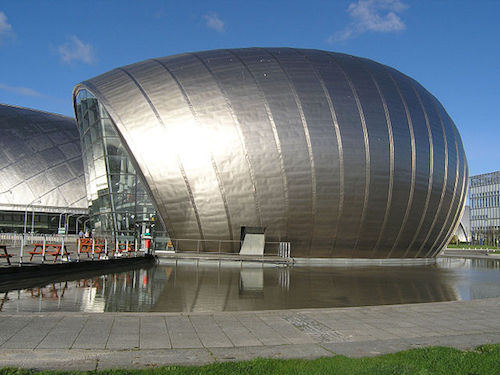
[(88, 341)]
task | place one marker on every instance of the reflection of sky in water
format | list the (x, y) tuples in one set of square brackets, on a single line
[(208, 286)]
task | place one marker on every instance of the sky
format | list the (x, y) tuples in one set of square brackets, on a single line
[(451, 47)]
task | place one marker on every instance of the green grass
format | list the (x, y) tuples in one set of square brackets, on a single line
[(467, 246), (483, 360)]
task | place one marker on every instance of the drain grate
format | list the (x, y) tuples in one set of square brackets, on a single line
[(317, 330)]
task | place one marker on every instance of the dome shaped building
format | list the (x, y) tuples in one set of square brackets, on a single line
[(41, 171), (339, 155)]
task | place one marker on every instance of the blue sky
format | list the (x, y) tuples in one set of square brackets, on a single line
[(451, 47)]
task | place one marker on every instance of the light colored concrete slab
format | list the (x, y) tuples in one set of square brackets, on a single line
[(49, 359), (124, 333), (11, 325), (263, 332), (210, 334), (182, 333), (95, 332), (235, 331), (287, 330), (153, 333), (307, 351), (153, 358), (63, 334), (32, 334)]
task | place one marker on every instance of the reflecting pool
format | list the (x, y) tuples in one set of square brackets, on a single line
[(191, 286)]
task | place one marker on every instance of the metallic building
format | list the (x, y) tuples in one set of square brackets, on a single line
[(41, 168), (484, 198), (463, 231), (339, 155)]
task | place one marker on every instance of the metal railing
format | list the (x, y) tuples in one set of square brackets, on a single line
[(186, 245)]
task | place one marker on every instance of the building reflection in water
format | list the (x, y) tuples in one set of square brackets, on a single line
[(211, 286)]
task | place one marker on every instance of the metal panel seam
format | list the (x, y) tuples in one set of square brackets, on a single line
[(413, 164), (276, 140), (183, 172), (391, 160), (452, 202), (444, 185), (308, 140), (443, 190), (367, 149), (431, 170), (339, 144), (212, 160), (463, 194)]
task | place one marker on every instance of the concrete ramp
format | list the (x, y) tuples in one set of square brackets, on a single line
[(253, 244)]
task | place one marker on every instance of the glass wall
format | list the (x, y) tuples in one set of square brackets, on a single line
[(119, 205), (485, 208)]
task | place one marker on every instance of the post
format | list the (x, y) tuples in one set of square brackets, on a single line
[(21, 251), (62, 249), (93, 247), (198, 246), (106, 247), (126, 248), (116, 247), (32, 220), (43, 248), (135, 247), (78, 246)]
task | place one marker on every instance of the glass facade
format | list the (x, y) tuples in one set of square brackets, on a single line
[(485, 207), (119, 205)]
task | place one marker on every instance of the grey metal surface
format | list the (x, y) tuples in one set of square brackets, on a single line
[(339, 155), (40, 161)]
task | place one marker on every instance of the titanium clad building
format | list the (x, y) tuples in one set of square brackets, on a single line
[(41, 170), (485, 207), (339, 155)]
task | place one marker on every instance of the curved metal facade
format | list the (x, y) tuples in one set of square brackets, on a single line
[(40, 161), (340, 155)]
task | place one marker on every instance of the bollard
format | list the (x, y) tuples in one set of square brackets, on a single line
[(21, 251), (43, 248), (62, 249), (93, 247), (78, 246)]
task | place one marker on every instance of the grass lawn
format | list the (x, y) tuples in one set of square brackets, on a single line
[(467, 246), (483, 360)]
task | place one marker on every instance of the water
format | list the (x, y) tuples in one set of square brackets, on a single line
[(208, 286)]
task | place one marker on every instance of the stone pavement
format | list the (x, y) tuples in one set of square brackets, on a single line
[(88, 341)]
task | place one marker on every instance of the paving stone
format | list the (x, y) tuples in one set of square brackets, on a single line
[(124, 333), (153, 333), (42, 359), (153, 358), (10, 325), (182, 333), (208, 331), (286, 329), (63, 334), (235, 331), (31, 334), (264, 333), (307, 351), (95, 332)]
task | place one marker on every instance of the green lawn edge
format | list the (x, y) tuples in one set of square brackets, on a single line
[(483, 360)]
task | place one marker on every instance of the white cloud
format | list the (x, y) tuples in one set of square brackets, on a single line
[(76, 50), (379, 16), (214, 22), (5, 27), (25, 91)]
